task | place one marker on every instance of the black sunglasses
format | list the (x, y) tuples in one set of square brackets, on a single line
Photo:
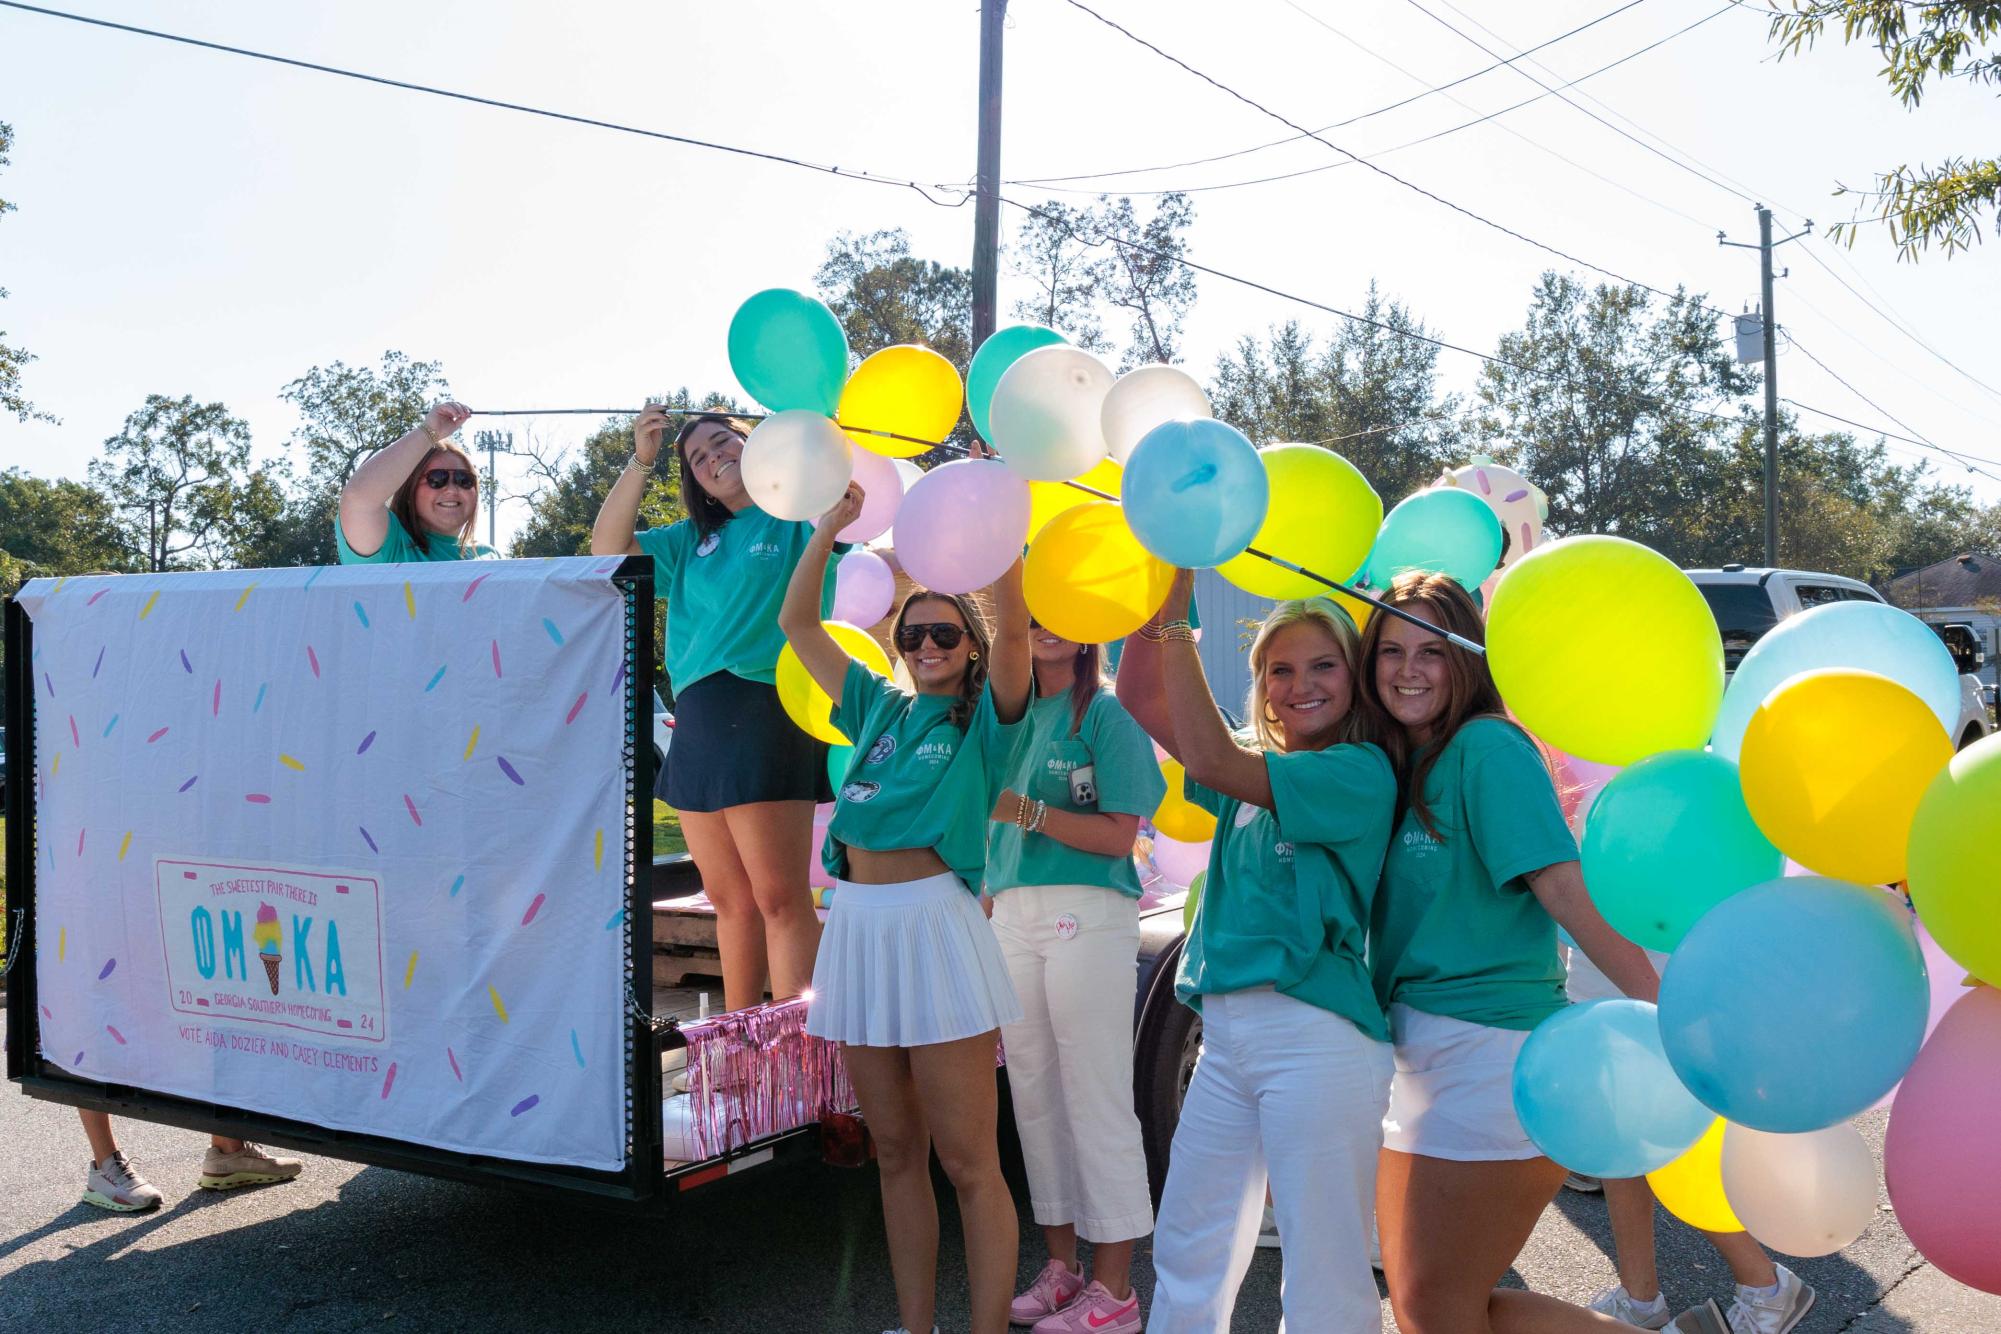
[(944, 634), (438, 478)]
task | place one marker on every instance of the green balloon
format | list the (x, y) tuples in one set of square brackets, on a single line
[(1002, 349), (1189, 904), (1667, 840), (837, 764), (788, 351)]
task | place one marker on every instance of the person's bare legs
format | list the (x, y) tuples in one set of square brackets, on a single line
[(1630, 1204), (774, 844), (958, 1090), (739, 926), (1449, 1232), (1112, 1265), (97, 1129), (888, 1098), (1749, 1264)]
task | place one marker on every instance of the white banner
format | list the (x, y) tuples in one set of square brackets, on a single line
[(343, 846)]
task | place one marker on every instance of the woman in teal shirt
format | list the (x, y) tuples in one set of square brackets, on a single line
[(909, 978), (415, 500), (1295, 1064), (1066, 910), (1463, 947), (741, 775)]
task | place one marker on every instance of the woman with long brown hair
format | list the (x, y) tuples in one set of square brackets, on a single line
[(1480, 873), (414, 500)]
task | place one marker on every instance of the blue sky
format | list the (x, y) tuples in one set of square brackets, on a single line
[(192, 222)]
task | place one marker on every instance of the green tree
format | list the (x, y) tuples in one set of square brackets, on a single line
[(1605, 398), (1054, 251), (55, 528), (174, 477), (12, 359), (1142, 274), (570, 488), (883, 295), (1920, 205)]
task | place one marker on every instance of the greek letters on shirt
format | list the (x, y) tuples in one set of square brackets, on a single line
[(1417, 840), (764, 550), (936, 752)]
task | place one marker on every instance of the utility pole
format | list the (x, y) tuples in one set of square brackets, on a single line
[(1771, 359), (986, 205), (494, 443)]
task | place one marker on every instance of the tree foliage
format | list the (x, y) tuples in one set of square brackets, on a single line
[(176, 476), (1921, 205), (12, 359), (1054, 252), (56, 527), (571, 487), (1105, 260), (883, 295)]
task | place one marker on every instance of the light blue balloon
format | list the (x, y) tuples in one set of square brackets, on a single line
[(1195, 493), (1795, 1004), (1865, 635), (1595, 1091), (1002, 349), (1445, 529)]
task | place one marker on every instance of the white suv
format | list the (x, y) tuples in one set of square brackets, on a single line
[(1749, 601)]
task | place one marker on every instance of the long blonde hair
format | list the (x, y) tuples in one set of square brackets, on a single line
[(1361, 722)]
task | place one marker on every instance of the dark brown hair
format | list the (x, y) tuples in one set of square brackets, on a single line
[(975, 679), (1089, 664), (1470, 689), (404, 504), (707, 513)]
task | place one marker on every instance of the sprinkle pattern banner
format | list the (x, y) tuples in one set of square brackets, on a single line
[(341, 845)]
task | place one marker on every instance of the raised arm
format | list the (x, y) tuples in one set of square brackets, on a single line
[(364, 501), (1142, 689), (1560, 890), (612, 534), (1011, 674), (799, 616), (1207, 750)]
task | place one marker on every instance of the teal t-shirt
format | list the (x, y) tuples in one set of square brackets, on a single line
[(1106, 766), (399, 548), (723, 592), (1457, 931), (1287, 898), (914, 780)]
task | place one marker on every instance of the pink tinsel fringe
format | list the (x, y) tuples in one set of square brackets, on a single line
[(755, 1072)]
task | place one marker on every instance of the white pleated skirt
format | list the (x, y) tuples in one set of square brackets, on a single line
[(908, 965)]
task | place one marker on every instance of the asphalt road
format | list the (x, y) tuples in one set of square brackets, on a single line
[(772, 1250)]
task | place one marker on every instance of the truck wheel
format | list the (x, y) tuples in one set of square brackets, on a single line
[(1971, 735), (1163, 1063)]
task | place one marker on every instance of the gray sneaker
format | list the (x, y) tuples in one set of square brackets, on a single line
[(1704, 1319), (117, 1186), (1755, 1312), (1616, 1302), (248, 1166), (1582, 1184)]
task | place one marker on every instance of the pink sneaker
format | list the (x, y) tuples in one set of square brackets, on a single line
[(1095, 1311), (1054, 1288)]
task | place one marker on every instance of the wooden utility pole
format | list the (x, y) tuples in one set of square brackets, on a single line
[(986, 205)]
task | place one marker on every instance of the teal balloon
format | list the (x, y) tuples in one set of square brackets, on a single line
[(1796, 1004), (1002, 349), (1594, 1090), (788, 351), (837, 765), (1444, 529), (1195, 493), (1668, 839)]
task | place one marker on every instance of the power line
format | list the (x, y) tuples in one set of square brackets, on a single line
[(1968, 460), (1899, 326), (1877, 430)]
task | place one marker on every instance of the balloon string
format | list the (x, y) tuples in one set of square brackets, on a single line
[(1284, 564)]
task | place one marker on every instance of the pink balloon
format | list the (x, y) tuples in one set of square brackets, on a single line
[(823, 814), (864, 586), (882, 494), (1942, 1156), (1948, 982), (1579, 783), (1179, 862), (962, 525)]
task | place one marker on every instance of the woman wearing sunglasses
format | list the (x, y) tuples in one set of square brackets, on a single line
[(743, 778), (416, 500), (1295, 1067), (1066, 911), (909, 978)]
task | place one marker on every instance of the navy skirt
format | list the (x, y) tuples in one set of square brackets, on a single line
[(733, 744)]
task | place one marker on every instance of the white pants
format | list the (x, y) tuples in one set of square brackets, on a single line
[(1289, 1087), (1070, 951)]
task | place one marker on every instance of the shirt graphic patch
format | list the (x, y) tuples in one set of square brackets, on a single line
[(884, 747), (860, 791), (708, 544)]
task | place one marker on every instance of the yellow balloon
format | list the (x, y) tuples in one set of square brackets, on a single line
[(1046, 500), (1088, 578), (1691, 1187), (1605, 650), (1323, 517), (1834, 764), (1178, 817), (801, 697), (907, 391)]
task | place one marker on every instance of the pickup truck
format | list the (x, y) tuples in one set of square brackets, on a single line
[(1748, 601)]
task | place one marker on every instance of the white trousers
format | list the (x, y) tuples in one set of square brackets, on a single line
[(1069, 952), (1289, 1088)]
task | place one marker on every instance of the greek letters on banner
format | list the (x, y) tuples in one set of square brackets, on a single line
[(344, 846)]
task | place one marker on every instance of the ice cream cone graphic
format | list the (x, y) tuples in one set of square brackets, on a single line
[(268, 938)]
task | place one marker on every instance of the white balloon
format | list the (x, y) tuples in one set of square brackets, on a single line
[(1047, 413), (1807, 1194), (1144, 398), (796, 464)]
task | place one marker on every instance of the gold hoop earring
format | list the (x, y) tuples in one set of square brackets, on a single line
[(974, 656)]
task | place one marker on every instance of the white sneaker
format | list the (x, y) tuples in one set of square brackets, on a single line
[(1705, 1318), (1616, 1302), (1582, 1184), (1758, 1312), (117, 1186), (1268, 1232), (248, 1166)]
